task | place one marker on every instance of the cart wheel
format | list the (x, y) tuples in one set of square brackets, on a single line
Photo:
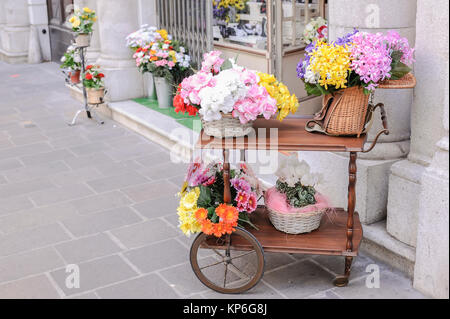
[(231, 264)]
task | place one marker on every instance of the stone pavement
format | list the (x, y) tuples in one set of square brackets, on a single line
[(102, 197)]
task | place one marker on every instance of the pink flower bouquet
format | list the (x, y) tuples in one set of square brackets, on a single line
[(222, 87)]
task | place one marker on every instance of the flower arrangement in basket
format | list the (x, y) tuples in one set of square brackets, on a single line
[(201, 206), (346, 71), (71, 61), (93, 82), (229, 97), (294, 205), (166, 59), (82, 22), (227, 10), (315, 30)]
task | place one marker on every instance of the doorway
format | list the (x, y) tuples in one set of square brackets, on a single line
[(60, 33)]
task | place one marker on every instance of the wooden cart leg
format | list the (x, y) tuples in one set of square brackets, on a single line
[(226, 178), (342, 281)]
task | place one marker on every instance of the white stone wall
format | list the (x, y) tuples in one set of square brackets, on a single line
[(431, 139)]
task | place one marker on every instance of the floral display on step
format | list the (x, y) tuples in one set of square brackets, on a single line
[(356, 59), (223, 87), (201, 207)]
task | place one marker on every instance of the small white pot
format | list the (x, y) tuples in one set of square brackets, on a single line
[(150, 84), (83, 40), (164, 92)]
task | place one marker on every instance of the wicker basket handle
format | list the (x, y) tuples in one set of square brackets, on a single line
[(385, 130)]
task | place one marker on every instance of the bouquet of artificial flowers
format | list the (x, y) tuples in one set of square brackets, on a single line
[(223, 88), (146, 35), (315, 30), (83, 20), (294, 205), (357, 59), (94, 84), (201, 206)]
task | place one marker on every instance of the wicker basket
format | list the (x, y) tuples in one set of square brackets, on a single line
[(95, 96), (82, 40), (407, 82), (343, 113), (295, 223), (227, 126)]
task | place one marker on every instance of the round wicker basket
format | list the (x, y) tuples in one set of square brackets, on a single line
[(227, 126), (295, 223)]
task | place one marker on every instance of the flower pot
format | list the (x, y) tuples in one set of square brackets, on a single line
[(95, 96), (82, 40), (164, 91), (227, 126), (75, 76), (150, 83)]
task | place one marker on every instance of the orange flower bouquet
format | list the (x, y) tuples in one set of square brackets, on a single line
[(201, 206)]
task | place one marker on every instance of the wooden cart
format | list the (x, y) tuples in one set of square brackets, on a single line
[(235, 263)]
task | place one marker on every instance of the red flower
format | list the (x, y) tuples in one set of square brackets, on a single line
[(138, 50), (178, 103), (192, 110), (89, 67), (100, 75), (88, 76)]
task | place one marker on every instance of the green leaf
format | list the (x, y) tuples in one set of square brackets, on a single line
[(204, 200), (312, 89), (399, 71), (226, 65)]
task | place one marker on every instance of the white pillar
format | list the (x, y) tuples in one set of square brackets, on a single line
[(93, 52), (431, 273), (16, 32), (117, 19), (2, 23), (373, 168), (37, 11)]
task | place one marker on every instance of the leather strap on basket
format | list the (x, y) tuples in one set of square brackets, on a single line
[(321, 119)]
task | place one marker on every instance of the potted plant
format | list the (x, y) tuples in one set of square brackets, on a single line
[(346, 71), (145, 36), (294, 205), (93, 82), (167, 60), (71, 61), (82, 22), (201, 207), (229, 98)]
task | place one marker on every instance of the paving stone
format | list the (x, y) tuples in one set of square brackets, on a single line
[(87, 295), (68, 141), (158, 256), (100, 222), (88, 160), (143, 192), (31, 239), (3, 180), (87, 248), (25, 150), (125, 141), (80, 175), (8, 164), (117, 168), (29, 139), (158, 207), (144, 233), (36, 217), (275, 260), (133, 151), (100, 202), (34, 262), (115, 182), (22, 188), (47, 157), (165, 170), (5, 144), (300, 280), (178, 179), (154, 159), (328, 294), (38, 287), (393, 285), (35, 171), (59, 194), (89, 148), (147, 287), (95, 274), (14, 204), (260, 291)]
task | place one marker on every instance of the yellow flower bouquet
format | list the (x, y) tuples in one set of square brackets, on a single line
[(83, 20)]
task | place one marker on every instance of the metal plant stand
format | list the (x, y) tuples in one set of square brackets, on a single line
[(88, 108)]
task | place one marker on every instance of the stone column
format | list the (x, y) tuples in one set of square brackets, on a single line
[(93, 52), (431, 274), (16, 31), (116, 19), (426, 114), (373, 168), (37, 11), (2, 23)]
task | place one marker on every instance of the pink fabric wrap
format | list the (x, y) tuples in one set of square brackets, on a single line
[(278, 202)]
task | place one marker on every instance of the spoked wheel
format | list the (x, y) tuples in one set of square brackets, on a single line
[(231, 264)]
